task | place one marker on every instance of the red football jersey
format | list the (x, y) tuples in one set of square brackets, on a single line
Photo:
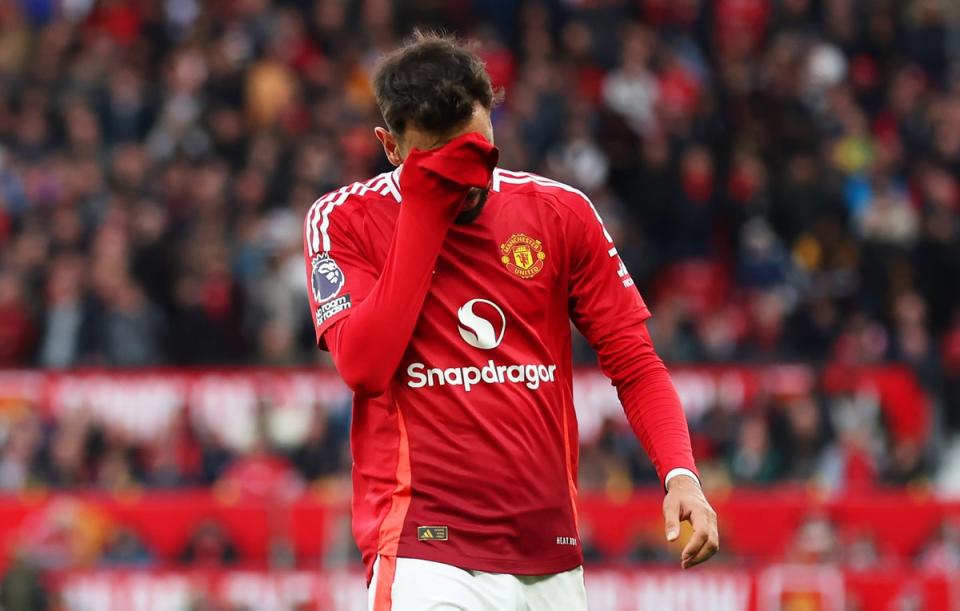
[(470, 457)]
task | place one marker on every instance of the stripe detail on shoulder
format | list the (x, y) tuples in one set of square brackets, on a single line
[(520, 178), (393, 183), (501, 176), (318, 217)]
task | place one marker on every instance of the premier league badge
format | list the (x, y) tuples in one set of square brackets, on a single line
[(327, 278)]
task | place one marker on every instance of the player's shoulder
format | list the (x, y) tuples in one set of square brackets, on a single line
[(545, 190), (356, 196), (334, 210)]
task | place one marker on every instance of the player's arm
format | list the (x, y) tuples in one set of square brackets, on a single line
[(368, 341), (607, 308)]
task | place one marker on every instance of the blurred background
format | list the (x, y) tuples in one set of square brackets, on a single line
[(782, 178)]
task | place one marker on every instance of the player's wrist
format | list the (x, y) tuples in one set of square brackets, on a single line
[(429, 192), (466, 162), (681, 477)]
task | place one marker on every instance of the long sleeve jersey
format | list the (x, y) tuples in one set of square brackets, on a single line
[(464, 434)]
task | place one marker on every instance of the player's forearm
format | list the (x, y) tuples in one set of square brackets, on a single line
[(656, 416), (367, 346), (649, 399)]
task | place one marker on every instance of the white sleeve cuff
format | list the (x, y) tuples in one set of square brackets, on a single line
[(680, 471)]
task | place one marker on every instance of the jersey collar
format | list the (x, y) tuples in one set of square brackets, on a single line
[(393, 179)]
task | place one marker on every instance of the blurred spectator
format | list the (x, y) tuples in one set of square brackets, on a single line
[(942, 552), (125, 548), (815, 542), (20, 452), (341, 549), (950, 350), (862, 440), (17, 329), (650, 548), (61, 345), (753, 460), (907, 464), (862, 552), (592, 554), (66, 533), (320, 454), (215, 457), (209, 547), (175, 456), (632, 89), (23, 588), (66, 461), (261, 473), (805, 437), (614, 461)]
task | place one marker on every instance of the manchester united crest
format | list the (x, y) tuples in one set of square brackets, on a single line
[(523, 255)]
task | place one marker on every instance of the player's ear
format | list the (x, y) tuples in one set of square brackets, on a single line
[(390, 147)]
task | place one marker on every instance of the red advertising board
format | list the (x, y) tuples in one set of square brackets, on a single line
[(757, 527), (773, 588), (224, 401)]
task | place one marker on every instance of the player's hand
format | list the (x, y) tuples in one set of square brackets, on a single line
[(685, 502), (443, 176), (467, 161)]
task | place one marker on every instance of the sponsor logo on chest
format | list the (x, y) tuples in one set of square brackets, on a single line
[(482, 325)]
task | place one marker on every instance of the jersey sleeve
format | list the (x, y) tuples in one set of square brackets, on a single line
[(603, 297), (339, 276), (607, 308)]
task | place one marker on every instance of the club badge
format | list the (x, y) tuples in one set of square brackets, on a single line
[(523, 255)]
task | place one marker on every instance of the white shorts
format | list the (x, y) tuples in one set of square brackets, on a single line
[(422, 585)]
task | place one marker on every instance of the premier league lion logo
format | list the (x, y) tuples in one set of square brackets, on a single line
[(327, 278)]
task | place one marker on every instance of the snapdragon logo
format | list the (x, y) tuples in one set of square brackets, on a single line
[(468, 377), (482, 325), (479, 321)]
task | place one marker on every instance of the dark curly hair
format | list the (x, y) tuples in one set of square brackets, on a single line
[(431, 82)]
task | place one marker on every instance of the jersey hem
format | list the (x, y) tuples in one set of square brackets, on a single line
[(549, 566)]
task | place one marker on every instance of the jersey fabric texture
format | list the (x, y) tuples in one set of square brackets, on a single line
[(469, 455)]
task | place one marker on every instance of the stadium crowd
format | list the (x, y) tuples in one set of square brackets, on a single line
[(157, 158), (837, 442), (781, 179)]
